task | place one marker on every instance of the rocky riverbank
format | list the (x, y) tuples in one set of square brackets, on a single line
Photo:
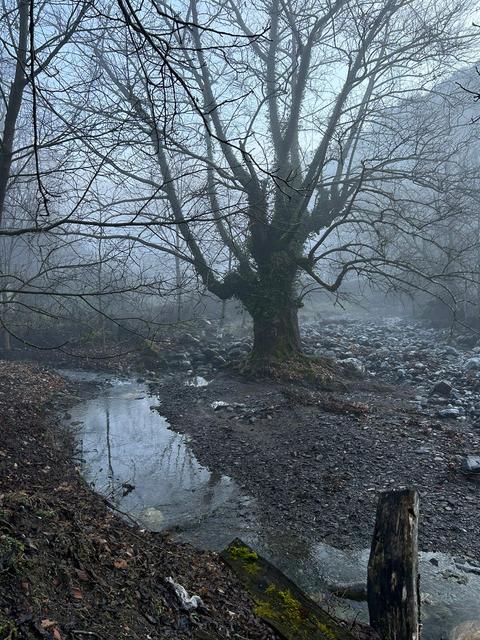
[(315, 461)]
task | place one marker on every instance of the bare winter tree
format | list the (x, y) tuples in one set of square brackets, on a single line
[(291, 144), (34, 39), (258, 161)]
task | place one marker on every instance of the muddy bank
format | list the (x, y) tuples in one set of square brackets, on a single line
[(315, 462), (69, 567)]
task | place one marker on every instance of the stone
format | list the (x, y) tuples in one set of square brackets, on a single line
[(471, 464), (442, 388), (472, 364), (219, 404), (353, 365), (451, 351), (450, 412)]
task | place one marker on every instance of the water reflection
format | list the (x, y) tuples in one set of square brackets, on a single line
[(125, 442)]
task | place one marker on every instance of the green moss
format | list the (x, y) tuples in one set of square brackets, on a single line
[(242, 553), (252, 568), (327, 631), (8, 629), (12, 552), (288, 605), (282, 606), (159, 607)]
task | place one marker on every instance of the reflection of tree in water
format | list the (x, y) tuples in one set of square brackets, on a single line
[(110, 473), (134, 445), (209, 493), (179, 460)]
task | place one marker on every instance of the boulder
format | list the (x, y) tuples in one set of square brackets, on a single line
[(353, 365), (442, 388), (471, 464)]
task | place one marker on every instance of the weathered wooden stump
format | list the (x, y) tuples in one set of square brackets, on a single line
[(393, 580)]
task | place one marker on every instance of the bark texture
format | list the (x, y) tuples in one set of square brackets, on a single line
[(393, 579)]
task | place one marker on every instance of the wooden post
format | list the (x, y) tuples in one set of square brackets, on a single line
[(393, 580)]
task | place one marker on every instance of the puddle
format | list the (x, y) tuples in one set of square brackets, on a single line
[(450, 596), (133, 457), (126, 443)]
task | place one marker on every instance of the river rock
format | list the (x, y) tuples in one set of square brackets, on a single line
[(466, 631), (442, 388), (353, 365), (219, 404), (450, 412), (471, 464), (473, 364), (151, 517), (451, 351)]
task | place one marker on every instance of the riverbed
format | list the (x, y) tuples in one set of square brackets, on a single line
[(147, 470)]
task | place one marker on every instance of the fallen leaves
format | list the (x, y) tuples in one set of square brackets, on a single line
[(51, 626), (82, 575), (120, 563), (77, 593), (48, 624)]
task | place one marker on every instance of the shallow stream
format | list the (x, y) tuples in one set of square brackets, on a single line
[(148, 471)]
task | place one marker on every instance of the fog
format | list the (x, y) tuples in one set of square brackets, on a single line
[(281, 192), (151, 154)]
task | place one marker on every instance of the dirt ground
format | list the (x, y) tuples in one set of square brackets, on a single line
[(69, 567), (316, 461)]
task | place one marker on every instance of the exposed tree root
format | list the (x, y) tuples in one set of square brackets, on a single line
[(298, 368), (325, 401)]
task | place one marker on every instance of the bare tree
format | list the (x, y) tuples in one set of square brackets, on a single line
[(259, 161), (28, 56), (291, 144)]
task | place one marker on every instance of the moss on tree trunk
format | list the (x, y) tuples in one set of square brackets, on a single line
[(276, 336), (273, 303)]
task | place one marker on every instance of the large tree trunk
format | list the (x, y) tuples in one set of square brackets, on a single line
[(273, 304), (276, 336)]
